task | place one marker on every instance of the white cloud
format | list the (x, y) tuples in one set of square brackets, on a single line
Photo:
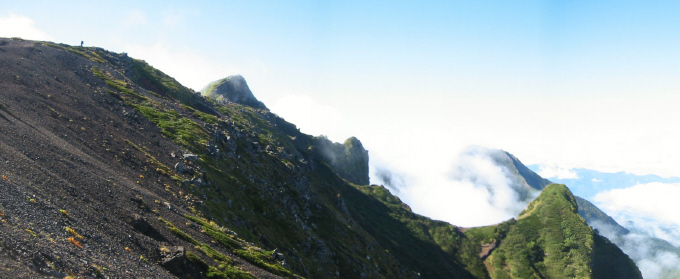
[(22, 26), (650, 208), (658, 264), (653, 261), (187, 66), (311, 116), (476, 191), (596, 180), (553, 171), (134, 18)]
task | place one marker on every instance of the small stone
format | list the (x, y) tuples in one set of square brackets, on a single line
[(190, 157), (180, 168), (274, 253)]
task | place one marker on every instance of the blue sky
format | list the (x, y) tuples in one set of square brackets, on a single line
[(562, 84)]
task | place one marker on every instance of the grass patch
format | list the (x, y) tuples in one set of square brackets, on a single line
[(154, 80), (179, 233), (210, 252), (257, 258), (120, 85), (160, 167), (225, 269), (86, 52), (180, 129), (73, 233)]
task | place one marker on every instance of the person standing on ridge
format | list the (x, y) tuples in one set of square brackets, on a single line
[(81, 43)]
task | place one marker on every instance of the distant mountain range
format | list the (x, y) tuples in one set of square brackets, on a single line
[(590, 182)]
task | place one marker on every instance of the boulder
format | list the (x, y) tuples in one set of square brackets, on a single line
[(173, 258), (139, 223)]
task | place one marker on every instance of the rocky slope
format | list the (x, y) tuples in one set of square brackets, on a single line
[(110, 168)]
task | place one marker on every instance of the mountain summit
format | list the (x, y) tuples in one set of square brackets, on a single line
[(233, 89)]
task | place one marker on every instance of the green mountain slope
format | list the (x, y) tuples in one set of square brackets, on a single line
[(642, 249), (153, 180), (550, 240)]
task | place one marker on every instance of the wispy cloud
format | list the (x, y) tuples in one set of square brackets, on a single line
[(388, 178), (22, 26), (552, 171)]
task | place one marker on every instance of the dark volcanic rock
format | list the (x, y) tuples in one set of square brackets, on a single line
[(139, 223), (74, 154), (172, 258)]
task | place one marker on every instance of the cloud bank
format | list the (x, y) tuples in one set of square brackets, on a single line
[(654, 258), (553, 171), (650, 209), (23, 27), (475, 191), (311, 116)]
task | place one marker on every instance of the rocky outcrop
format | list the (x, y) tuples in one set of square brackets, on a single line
[(233, 89), (349, 160)]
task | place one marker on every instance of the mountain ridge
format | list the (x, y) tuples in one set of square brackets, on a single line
[(114, 169)]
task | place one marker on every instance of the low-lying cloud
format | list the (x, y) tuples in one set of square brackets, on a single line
[(23, 27), (650, 209), (311, 116), (651, 256), (552, 171), (477, 190), (389, 179)]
